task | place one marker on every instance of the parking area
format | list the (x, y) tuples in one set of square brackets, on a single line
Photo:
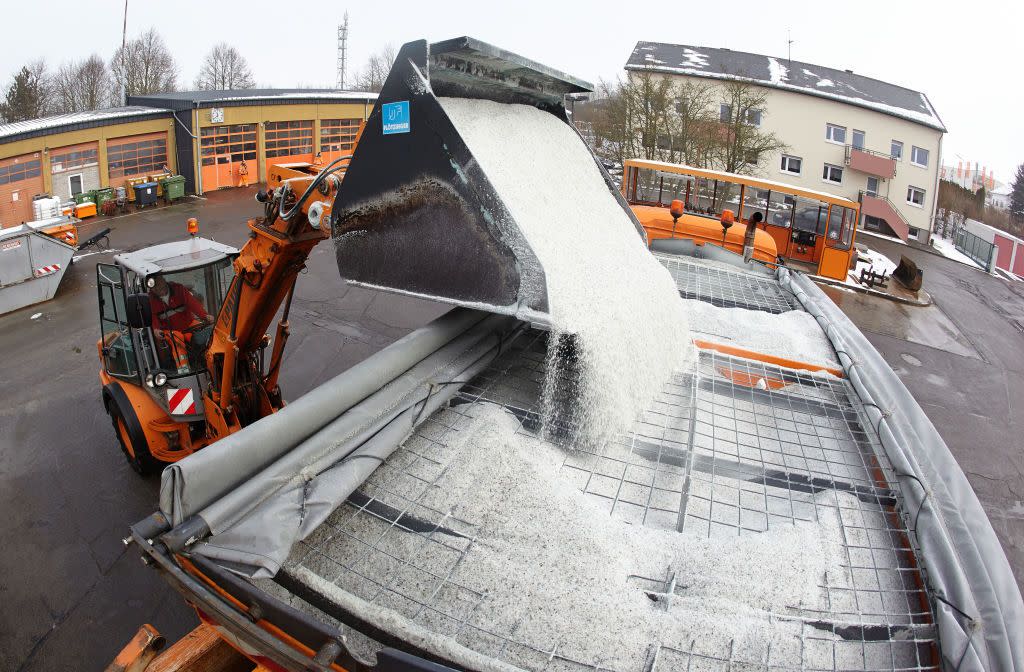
[(72, 595)]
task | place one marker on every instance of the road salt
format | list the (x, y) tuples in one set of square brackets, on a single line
[(607, 294)]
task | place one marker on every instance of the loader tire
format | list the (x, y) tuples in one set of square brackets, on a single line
[(133, 443)]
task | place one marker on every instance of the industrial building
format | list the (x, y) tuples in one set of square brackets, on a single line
[(203, 135), (847, 134)]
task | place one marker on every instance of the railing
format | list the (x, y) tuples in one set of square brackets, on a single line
[(866, 209), (872, 162), (978, 249)]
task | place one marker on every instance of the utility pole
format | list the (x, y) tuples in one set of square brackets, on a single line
[(789, 48), (342, 50), (124, 71)]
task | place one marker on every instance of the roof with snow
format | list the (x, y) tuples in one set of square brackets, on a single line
[(74, 121), (179, 100), (842, 85)]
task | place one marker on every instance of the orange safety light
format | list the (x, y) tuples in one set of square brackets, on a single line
[(193, 226), (728, 219), (676, 209)]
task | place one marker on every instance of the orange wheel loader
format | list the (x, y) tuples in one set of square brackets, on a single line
[(183, 346)]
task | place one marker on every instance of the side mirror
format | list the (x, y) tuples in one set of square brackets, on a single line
[(139, 311)]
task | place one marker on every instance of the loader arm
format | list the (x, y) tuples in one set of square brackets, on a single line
[(243, 383)]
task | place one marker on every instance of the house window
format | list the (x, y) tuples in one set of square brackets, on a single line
[(835, 134), (791, 164), (858, 139), (754, 117), (725, 113), (919, 157), (915, 196), (913, 232), (872, 188), (832, 174), (897, 150)]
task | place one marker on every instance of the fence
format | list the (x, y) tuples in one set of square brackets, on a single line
[(978, 249)]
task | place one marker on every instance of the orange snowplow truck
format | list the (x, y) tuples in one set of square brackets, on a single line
[(184, 325)]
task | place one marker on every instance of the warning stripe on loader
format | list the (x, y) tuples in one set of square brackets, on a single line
[(180, 401)]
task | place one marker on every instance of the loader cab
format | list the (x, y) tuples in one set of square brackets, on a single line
[(157, 309)]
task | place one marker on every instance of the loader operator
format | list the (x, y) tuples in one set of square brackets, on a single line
[(176, 311)]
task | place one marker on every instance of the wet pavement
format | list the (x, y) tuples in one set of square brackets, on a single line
[(71, 596), (963, 360)]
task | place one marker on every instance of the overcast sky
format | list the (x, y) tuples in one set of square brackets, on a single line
[(966, 60)]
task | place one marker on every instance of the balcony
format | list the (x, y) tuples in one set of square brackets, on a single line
[(871, 162), (882, 208)]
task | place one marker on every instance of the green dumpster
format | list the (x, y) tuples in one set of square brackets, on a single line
[(173, 187), (102, 196), (89, 196)]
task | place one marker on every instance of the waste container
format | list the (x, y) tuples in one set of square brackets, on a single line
[(130, 185), (145, 194), (173, 187), (83, 197), (102, 196)]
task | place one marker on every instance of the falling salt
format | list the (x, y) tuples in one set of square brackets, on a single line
[(614, 309)]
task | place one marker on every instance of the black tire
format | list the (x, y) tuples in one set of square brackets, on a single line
[(135, 451)]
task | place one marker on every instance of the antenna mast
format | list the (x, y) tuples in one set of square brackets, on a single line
[(789, 48), (342, 51)]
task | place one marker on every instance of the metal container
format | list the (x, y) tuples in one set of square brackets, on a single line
[(173, 187), (32, 264), (102, 196)]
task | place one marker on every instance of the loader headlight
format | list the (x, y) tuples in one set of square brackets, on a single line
[(160, 379), (149, 380)]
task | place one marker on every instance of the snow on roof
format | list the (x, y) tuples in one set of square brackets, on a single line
[(61, 120), (205, 97), (841, 85)]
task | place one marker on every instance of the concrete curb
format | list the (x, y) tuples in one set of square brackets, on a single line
[(927, 301)]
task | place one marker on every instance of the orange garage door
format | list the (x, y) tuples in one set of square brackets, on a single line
[(223, 149), (337, 138), (21, 178), (289, 141), (135, 156)]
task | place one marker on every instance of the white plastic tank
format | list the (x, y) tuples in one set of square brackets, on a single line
[(45, 208)]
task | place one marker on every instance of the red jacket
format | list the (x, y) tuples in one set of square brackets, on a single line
[(179, 311)]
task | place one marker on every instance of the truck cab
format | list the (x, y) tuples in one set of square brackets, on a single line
[(157, 308)]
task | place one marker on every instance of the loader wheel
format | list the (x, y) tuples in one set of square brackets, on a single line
[(138, 456)]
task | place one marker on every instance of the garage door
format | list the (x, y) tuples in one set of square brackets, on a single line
[(135, 156), (75, 169), (21, 178), (223, 149), (289, 141), (337, 138)]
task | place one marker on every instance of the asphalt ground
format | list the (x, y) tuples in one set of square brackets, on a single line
[(71, 595), (963, 360)]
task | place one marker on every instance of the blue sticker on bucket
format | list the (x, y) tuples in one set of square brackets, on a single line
[(396, 117)]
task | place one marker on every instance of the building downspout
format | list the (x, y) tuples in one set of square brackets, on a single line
[(935, 193), (197, 160)]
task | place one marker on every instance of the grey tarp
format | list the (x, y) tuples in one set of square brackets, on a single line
[(978, 607), (255, 525), (193, 483)]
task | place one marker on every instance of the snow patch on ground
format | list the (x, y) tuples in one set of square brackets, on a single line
[(947, 249), (874, 261), (875, 234), (606, 292)]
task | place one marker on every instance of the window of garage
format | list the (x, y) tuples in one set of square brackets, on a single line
[(288, 140), (135, 156)]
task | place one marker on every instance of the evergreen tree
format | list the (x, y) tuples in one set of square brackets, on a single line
[(1017, 195), (27, 97)]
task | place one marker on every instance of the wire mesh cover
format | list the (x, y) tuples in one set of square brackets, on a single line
[(732, 449), (727, 287)]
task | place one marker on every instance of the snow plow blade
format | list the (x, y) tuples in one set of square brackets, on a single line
[(416, 214)]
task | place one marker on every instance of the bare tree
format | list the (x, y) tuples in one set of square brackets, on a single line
[(29, 95), (224, 68), (744, 146), (372, 75), (144, 65), (82, 85)]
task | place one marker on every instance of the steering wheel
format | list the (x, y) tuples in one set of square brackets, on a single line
[(198, 326)]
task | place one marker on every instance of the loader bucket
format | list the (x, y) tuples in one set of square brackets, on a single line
[(415, 213)]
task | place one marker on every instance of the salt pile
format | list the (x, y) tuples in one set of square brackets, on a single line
[(556, 571), (608, 296)]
